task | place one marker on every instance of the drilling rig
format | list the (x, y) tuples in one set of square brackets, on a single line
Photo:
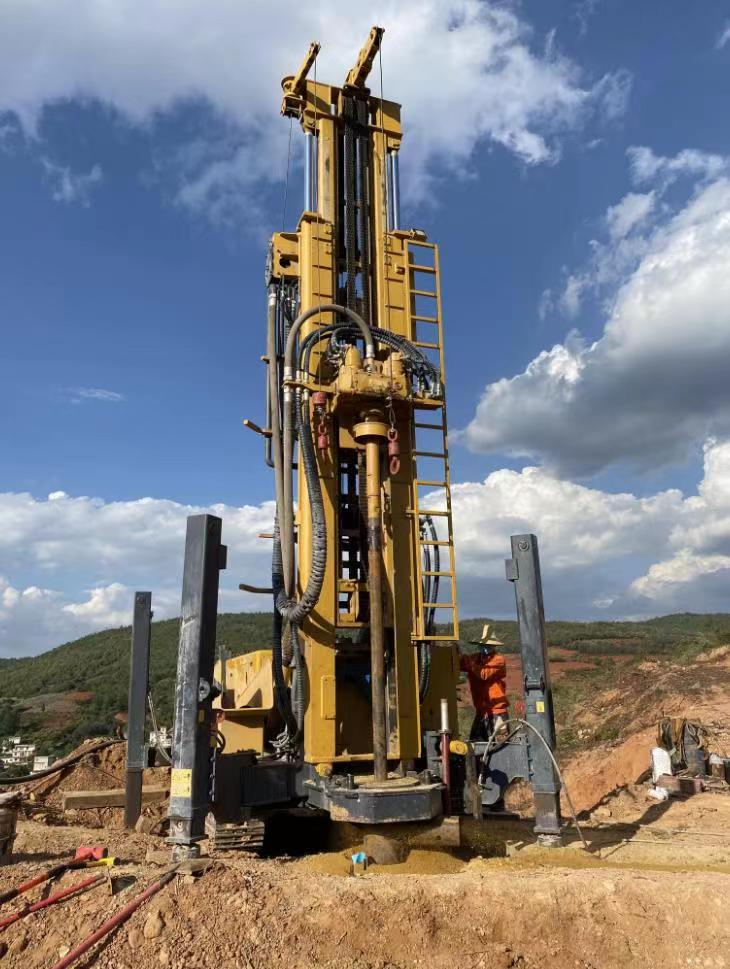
[(352, 708)]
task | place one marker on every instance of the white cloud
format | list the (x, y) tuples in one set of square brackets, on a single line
[(583, 10), (654, 385), (81, 559), (602, 553), (623, 554), (627, 226), (681, 570), (648, 167), (632, 211), (724, 36), (610, 260), (493, 82), (77, 395), (69, 186)]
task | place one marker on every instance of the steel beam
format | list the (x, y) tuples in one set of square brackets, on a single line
[(523, 570), (192, 754), (137, 706)]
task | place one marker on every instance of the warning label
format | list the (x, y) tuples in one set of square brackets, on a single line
[(181, 782)]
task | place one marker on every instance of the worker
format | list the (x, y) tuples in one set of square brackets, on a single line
[(487, 673)]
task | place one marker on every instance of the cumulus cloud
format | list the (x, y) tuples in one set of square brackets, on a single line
[(653, 386), (69, 186), (603, 554), (83, 558), (625, 230), (495, 83)]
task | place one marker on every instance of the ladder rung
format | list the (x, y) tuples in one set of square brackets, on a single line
[(422, 292), (426, 346), (430, 427), (433, 541), (429, 484), (429, 454), (435, 639), (424, 319), (435, 514), (438, 605), (425, 572), (421, 269)]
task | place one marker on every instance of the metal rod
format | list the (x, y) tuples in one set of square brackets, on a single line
[(375, 590), (395, 190), (389, 177), (446, 755), (137, 706), (308, 158), (315, 173)]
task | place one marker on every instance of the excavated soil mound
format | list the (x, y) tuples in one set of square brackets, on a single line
[(97, 771)]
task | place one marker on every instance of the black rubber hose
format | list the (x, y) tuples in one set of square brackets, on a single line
[(289, 608), (297, 691), (415, 361), (60, 766)]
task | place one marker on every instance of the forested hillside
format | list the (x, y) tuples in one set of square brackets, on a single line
[(66, 694)]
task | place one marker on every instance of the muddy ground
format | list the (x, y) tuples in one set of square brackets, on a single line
[(651, 889)]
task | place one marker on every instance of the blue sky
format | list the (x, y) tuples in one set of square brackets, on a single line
[(140, 178)]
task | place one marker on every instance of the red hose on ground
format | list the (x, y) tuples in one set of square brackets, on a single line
[(121, 916), (41, 877), (56, 897)]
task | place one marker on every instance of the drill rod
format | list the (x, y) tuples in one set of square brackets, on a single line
[(375, 590)]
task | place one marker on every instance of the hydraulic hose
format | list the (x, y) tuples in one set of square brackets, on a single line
[(414, 360), (286, 508), (298, 685), (286, 551), (289, 608), (354, 317), (60, 766), (52, 899), (278, 569), (121, 916)]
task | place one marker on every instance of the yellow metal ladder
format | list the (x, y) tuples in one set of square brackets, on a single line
[(424, 319)]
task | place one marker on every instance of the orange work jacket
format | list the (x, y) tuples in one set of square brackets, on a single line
[(488, 683)]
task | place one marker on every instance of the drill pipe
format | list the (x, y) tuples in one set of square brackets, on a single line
[(375, 590)]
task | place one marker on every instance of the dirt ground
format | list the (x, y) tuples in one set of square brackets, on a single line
[(651, 894), (652, 888)]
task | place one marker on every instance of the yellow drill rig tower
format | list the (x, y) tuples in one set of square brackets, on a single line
[(352, 710)]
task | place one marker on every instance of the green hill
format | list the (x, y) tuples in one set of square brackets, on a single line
[(66, 694)]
